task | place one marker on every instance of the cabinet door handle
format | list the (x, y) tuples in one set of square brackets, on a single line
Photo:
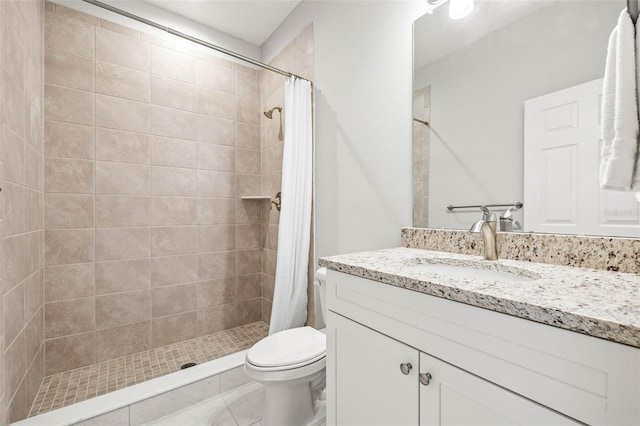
[(425, 378), (405, 368)]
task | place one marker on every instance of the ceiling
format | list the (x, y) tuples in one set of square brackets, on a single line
[(436, 35), (249, 20)]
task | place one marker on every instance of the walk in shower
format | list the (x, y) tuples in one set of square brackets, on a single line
[(152, 258)]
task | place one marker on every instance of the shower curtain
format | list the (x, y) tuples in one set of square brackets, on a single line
[(289, 308)]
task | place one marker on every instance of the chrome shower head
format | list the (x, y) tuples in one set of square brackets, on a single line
[(269, 114)]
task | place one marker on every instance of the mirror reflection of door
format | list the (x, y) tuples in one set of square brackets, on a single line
[(561, 167)]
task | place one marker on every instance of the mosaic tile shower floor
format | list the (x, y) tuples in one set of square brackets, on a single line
[(69, 387)]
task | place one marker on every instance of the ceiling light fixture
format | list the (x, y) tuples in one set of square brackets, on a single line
[(458, 9)]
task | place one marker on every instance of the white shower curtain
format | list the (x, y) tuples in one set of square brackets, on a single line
[(289, 308)]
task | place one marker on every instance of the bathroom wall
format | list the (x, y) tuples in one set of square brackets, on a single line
[(363, 97), (21, 102), (296, 57), (149, 143)]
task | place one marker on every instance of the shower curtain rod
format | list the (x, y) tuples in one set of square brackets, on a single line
[(192, 39), (632, 7)]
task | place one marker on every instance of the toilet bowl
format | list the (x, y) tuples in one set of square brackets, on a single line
[(288, 363)]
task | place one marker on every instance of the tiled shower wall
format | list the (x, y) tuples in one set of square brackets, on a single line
[(421, 150), (21, 101), (149, 145), (297, 58)]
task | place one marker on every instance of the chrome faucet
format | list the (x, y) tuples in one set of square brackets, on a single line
[(487, 227)]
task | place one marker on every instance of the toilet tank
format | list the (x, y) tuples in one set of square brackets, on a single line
[(321, 295)]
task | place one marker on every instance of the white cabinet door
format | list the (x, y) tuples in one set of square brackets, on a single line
[(370, 387), (561, 167), (456, 397)]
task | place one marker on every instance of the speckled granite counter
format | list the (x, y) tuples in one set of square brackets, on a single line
[(594, 302)]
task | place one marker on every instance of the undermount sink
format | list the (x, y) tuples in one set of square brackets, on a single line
[(472, 270)]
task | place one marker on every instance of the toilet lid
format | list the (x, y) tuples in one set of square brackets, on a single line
[(288, 347)]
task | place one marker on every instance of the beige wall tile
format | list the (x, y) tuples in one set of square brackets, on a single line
[(175, 328), (216, 104), (173, 299), (216, 211), (122, 275), (120, 211), (73, 281), (68, 140), (68, 175), (33, 164), (68, 105), (173, 181), (169, 270), (68, 211), (216, 292), (13, 112), (172, 64), (69, 317), (18, 407), (68, 246), (121, 146), (216, 184), (122, 243), (174, 211), (247, 85), (112, 26), (249, 286), (218, 318), (13, 313), (174, 240), (249, 311), (247, 136), (249, 261), (217, 238), (173, 152), (13, 156), (68, 70), (173, 123), (173, 94), (69, 352), (249, 185), (34, 339), (33, 294), (122, 114), (215, 130), (248, 111), (122, 178), (122, 308), (12, 209), (247, 161), (249, 236), (14, 264), (215, 77), (122, 50), (15, 365), (122, 82), (34, 248), (216, 157), (34, 209), (124, 340), (13, 54), (68, 35), (212, 266)]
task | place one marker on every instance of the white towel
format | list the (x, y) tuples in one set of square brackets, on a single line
[(620, 110)]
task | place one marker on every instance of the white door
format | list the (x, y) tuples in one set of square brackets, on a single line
[(370, 387), (456, 397), (561, 165)]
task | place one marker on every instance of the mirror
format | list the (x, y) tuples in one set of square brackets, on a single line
[(472, 78)]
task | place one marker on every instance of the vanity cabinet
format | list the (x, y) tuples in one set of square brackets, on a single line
[(485, 368)]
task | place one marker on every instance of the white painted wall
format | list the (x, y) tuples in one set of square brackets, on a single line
[(478, 94), (363, 127)]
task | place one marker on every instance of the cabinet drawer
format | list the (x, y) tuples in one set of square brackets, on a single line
[(586, 378)]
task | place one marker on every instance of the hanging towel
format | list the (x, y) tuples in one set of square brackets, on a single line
[(620, 109)]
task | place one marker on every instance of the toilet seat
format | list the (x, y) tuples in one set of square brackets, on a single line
[(288, 349)]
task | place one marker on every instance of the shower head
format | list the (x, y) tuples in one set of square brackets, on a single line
[(269, 114)]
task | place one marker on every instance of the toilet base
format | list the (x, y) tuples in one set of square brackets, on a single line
[(289, 405)]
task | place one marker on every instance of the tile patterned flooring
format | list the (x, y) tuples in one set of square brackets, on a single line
[(69, 387)]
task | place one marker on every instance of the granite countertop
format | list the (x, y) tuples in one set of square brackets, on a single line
[(594, 302)]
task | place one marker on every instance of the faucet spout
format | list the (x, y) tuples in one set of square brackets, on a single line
[(488, 232)]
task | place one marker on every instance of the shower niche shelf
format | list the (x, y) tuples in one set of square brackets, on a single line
[(255, 197)]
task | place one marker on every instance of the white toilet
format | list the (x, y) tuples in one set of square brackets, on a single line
[(290, 363)]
